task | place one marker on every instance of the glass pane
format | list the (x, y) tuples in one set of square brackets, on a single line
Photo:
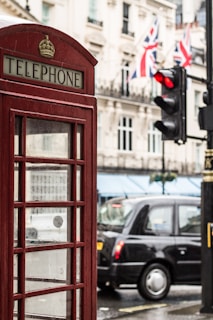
[(48, 225), (17, 182), (160, 220), (47, 269), (79, 225), (15, 273), (79, 142), (78, 303), (15, 310), (48, 182), (47, 138), (78, 264), (16, 227), (79, 183), (189, 219), (17, 136), (50, 306)]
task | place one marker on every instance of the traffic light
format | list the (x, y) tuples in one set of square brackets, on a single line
[(172, 103)]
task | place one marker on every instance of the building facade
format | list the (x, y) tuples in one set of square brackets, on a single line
[(114, 32)]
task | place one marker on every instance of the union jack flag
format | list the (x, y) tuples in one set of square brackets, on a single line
[(183, 51), (146, 66)]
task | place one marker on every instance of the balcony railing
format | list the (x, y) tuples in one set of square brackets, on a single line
[(115, 93), (94, 21), (128, 33)]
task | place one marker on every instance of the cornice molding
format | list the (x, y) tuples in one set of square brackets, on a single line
[(17, 10)]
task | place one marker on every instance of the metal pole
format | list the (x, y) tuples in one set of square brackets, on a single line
[(163, 168), (207, 185)]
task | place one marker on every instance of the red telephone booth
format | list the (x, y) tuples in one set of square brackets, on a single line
[(47, 175)]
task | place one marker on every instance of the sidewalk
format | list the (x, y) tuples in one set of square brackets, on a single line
[(165, 312)]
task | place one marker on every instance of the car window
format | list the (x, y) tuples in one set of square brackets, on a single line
[(189, 219), (114, 213), (138, 226), (159, 220)]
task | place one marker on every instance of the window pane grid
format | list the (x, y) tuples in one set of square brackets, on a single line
[(125, 18), (37, 186), (125, 134), (154, 140)]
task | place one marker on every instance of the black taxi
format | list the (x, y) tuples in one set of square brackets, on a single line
[(151, 242)]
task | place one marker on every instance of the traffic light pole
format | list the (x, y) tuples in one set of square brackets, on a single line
[(207, 184), (163, 167)]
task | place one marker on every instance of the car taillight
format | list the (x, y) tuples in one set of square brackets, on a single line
[(118, 249)]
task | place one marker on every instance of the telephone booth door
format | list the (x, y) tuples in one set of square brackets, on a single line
[(48, 224)]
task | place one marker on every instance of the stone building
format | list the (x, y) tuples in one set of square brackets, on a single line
[(128, 144)]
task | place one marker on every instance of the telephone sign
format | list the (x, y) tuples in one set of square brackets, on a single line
[(36, 71)]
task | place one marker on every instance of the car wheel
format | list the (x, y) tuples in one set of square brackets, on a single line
[(105, 287), (155, 282)]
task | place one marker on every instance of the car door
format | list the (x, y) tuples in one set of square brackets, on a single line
[(152, 235), (188, 243)]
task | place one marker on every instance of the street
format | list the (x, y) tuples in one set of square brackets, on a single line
[(126, 302)]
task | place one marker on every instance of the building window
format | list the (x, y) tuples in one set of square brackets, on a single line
[(198, 55), (154, 140), (179, 15), (126, 20), (197, 97), (94, 13), (46, 9), (125, 134), (201, 15), (124, 80)]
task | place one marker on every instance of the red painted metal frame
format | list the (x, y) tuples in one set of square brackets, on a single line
[(18, 98)]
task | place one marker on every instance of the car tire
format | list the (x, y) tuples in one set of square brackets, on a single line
[(154, 283)]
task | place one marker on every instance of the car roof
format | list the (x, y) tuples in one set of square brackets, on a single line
[(152, 197)]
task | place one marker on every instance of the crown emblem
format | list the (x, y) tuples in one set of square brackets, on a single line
[(46, 48)]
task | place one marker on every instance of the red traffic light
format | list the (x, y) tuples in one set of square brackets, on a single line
[(172, 102), (166, 78)]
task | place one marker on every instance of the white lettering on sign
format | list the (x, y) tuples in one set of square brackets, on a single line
[(29, 69)]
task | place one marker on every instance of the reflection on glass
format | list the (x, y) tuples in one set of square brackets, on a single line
[(47, 138), (16, 228), (17, 136), (48, 225), (48, 182), (78, 264), (78, 303), (17, 182), (79, 141), (78, 183), (49, 306), (46, 269), (15, 273)]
